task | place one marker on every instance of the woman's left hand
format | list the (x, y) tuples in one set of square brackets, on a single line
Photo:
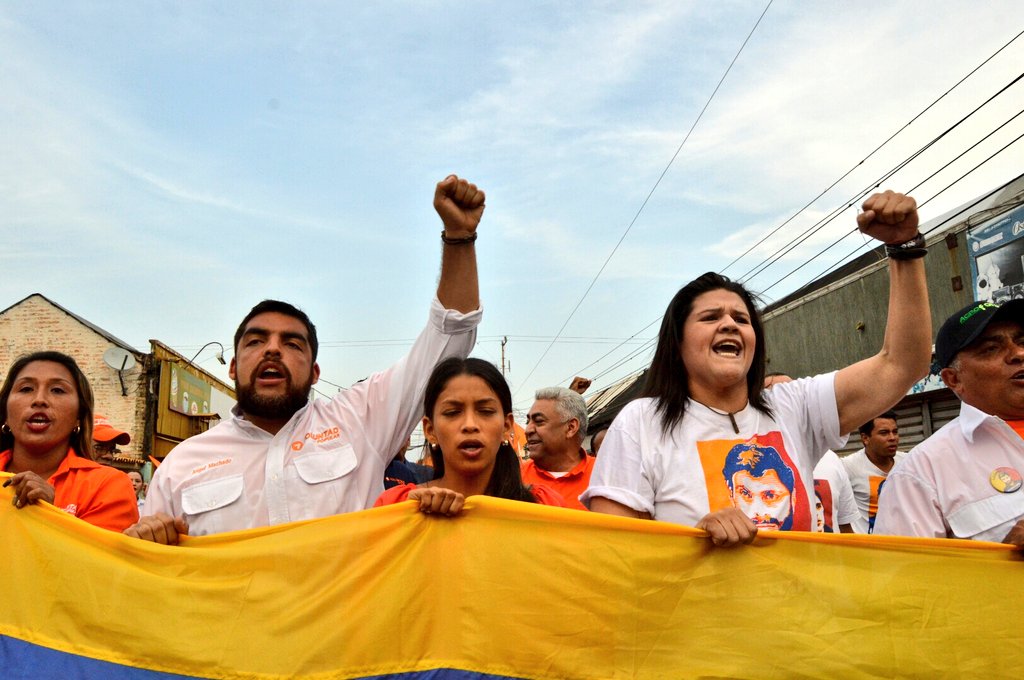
[(436, 500), (29, 488)]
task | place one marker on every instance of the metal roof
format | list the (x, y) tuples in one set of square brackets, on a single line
[(978, 210), (603, 406)]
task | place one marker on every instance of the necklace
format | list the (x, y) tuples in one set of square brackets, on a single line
[(735, 427)]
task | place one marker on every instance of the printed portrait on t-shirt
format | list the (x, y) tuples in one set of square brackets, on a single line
[(758, 477), (823, 492), (875, 482)]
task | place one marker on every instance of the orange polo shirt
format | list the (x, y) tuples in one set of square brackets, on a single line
[(570, 485), (100, 495)]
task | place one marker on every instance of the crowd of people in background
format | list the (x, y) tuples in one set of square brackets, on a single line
[(713, 442)]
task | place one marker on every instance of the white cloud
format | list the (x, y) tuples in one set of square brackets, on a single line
[(142, 155)]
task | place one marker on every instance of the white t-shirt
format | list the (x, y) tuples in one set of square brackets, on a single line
[(328, 459), (836, 505), (867, 482), (944, 488), (702, 464)]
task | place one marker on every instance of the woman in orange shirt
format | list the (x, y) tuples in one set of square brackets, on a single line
[(46, 409), (468, 408)]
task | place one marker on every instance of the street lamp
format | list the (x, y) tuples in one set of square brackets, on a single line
[(220, 353)]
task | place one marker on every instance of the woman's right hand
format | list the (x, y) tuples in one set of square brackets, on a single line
[(728, 527), (436, 500), (30, 488)]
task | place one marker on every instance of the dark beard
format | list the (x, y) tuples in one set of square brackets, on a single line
[(280, 407)]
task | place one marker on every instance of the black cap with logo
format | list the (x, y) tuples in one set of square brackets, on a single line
[(964, 327)]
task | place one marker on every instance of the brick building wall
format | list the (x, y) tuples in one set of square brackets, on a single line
[(36, 323)]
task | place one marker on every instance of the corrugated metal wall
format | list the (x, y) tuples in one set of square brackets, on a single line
[(918, 416), (845, 322)]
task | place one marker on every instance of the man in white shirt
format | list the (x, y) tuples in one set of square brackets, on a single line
[(869, 467), (281, 458), (965, 480)]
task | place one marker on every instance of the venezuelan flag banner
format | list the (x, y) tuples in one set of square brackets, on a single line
[(505, 590)]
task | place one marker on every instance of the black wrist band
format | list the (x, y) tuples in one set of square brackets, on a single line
[(908, 250), (457, 241)]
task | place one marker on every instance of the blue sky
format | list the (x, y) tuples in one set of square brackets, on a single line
[(166, 165)]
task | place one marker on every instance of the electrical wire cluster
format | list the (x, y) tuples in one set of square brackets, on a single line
[(766, 262)]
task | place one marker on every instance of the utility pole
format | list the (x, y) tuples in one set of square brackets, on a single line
[(504, 341)]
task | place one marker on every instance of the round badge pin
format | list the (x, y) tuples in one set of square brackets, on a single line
[(1005, 480)]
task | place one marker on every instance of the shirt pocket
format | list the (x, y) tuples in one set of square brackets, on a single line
[(323, 481), (317, 468), (215, 506), (988, 519)]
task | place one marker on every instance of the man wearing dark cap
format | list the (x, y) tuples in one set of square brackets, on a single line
[(965, 480)]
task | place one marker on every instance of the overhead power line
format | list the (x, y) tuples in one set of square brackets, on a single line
[(648, 198), (835, 212), (818, 226), (825, 191), (647, 346), (933, 197), (872, 153), (613, 349), (846, 257)]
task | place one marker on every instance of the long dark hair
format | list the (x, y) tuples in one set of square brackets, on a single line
[(506, 481), (81, 441), (668, 381)]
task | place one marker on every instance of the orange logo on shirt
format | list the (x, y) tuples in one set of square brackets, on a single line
[(297, 446), (325, 436)]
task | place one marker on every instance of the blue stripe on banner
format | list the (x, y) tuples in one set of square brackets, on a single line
[(20, 660)]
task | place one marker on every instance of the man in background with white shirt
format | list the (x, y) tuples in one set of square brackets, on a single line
[(869, 467)]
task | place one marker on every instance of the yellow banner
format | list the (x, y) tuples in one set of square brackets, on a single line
[(509, 589)]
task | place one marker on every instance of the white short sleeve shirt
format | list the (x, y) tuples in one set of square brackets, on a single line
[(836, 504), (867, 481), (703, 465)]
